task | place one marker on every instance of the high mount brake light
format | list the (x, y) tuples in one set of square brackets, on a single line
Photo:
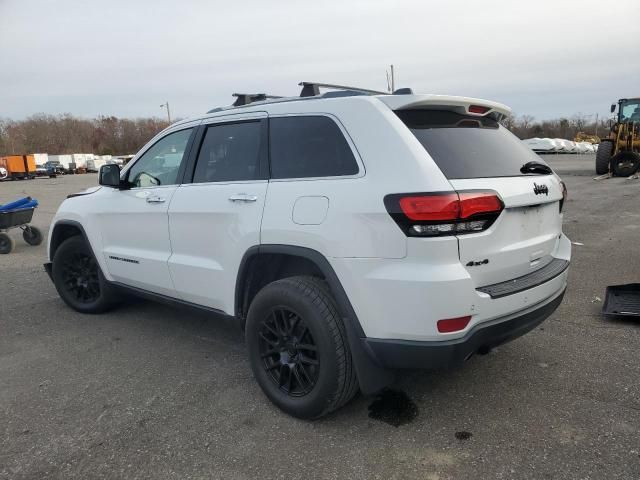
[(448, 213), (478, 109)]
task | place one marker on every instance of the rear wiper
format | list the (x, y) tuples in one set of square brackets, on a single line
[(536, 168)]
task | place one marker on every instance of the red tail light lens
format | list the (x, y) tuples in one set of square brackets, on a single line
[(446, 213), (453, 324), (474, 203), (431, 208)]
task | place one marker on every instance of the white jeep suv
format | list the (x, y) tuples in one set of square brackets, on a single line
[(350, 233)]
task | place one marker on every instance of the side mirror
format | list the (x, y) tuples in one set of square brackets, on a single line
[(613, 107), (109, 176)]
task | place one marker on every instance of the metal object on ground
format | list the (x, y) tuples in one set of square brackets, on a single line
[(622, 300)]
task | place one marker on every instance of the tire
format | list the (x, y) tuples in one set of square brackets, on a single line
[(603, 157), (78, 278), (305, 369), (625, 164), (6, 244), (32, 235)]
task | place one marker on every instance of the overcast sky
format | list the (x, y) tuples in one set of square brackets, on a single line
[(124, 58)]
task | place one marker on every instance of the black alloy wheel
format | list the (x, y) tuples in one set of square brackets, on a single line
[(289, 353), (298, 347), (80, 276)]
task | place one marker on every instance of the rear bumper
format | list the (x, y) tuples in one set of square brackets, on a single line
[(449, 353), (403, 299)]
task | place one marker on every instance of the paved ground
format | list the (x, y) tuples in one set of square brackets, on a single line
[(150, 391)]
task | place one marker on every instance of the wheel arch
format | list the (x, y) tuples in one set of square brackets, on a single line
[(291, 260), (64, 229), (371, 376)]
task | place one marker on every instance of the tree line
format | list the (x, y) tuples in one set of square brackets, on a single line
[(60, 134)]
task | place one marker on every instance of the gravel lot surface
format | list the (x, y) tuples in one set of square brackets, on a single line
[(150, 391)]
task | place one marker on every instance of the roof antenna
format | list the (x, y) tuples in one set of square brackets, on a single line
[(391, 80)]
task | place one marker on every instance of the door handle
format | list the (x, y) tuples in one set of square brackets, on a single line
[(243, 197), (155, 199)]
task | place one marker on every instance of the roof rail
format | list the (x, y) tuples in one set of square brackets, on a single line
[(311, 89), (247, 98)]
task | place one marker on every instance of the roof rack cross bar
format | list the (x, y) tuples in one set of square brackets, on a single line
[(311, 89), (247, 98)]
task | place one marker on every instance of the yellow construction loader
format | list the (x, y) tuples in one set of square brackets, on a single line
[(619, 153), (585, 137)]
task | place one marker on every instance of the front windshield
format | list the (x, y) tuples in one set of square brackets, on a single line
[(629, 111)]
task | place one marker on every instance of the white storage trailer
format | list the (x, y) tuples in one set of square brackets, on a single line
[(95, 164), (63, 160), (40, 158)]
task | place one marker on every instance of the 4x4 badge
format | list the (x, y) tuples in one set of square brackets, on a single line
[(540, 189)]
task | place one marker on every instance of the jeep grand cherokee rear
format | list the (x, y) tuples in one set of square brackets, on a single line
[(486, 258)]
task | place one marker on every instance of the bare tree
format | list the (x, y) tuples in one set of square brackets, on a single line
[(68, 134)]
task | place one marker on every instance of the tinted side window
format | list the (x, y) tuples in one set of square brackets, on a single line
[(309, 146), (160, 164), (230, 152)]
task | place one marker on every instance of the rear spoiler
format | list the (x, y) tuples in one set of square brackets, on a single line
[(465, 105)]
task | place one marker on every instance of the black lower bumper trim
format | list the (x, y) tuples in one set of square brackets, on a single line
[(531, 280), (449, 353)]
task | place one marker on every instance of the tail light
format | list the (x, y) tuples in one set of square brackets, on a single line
[(565, 194), (444, 213)]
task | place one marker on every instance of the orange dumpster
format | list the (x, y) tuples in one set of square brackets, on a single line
[(19, 166)]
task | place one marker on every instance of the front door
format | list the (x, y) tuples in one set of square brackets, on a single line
[(134, 222), (214, 219)]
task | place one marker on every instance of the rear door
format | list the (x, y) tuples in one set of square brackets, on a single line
[(476, 153), (215, 217)]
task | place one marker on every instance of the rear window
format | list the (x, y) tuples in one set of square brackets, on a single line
[(309, 146), (465, 146)]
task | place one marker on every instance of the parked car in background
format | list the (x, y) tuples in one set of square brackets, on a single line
[(54, 168), (349, 234)]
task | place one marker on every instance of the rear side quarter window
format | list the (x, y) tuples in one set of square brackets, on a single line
[(309, 147)]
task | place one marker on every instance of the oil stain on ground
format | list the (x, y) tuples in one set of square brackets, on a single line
[(393, 407)]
